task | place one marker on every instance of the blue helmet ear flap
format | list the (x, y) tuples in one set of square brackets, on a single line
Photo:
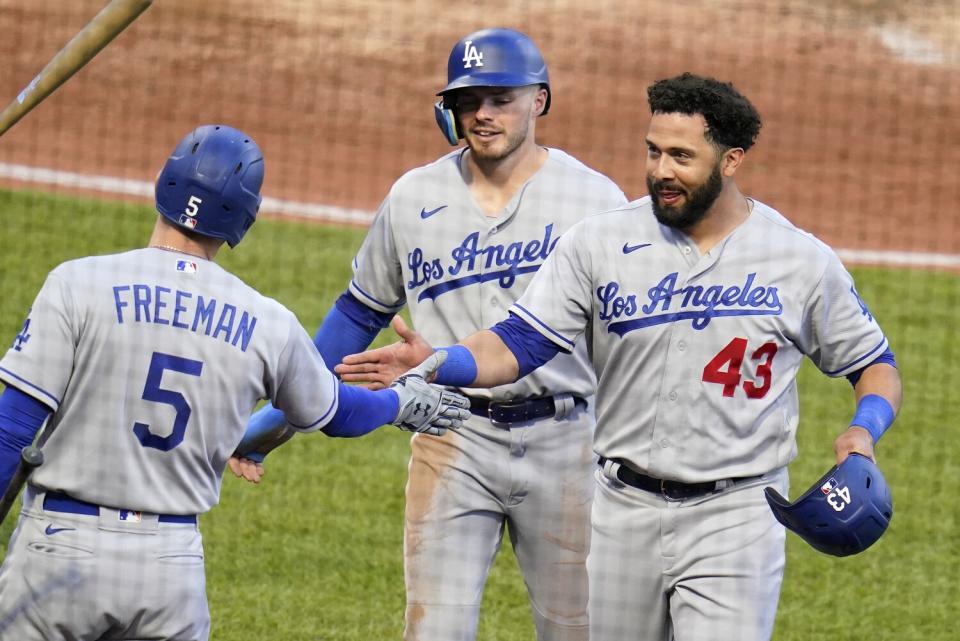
[(447, 121)]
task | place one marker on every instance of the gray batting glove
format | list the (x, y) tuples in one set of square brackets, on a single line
[(425, 407)]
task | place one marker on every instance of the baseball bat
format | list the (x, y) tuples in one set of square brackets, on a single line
[(104, 27), (31, 457)]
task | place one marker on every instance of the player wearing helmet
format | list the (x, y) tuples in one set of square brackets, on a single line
[(457, 241), (148, 364)]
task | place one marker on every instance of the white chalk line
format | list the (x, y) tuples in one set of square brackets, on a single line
[(334, 214), (144, 189)]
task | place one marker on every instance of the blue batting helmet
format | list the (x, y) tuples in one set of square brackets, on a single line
[(211, 183), (844, 513), (490, 58)]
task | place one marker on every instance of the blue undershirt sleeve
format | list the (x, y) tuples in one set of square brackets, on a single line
[(21, 417), (365, 318), (361, 411), (886, 357), (531, 348), (349, 327)]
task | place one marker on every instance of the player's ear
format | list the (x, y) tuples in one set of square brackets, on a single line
[(540, 100), (731, 160)]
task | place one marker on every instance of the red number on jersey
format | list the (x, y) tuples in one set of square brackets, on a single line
[(731, 356), (729, 378), (766, 352)]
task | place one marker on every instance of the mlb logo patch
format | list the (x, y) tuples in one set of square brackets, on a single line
[(186, 221), (130, 516), (186, 266), (828, 487)]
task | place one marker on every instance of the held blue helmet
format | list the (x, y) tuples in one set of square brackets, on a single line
[(844, 513), (489, 58), (211, 183)]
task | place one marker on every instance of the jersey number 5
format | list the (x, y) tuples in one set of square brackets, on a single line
[(731, 356), (153, 392)]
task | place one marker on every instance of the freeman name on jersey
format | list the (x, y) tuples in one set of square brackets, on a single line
[(184, 310), (695, 303), (466, 256)]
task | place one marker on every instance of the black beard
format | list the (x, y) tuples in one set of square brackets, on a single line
[(696, 206)]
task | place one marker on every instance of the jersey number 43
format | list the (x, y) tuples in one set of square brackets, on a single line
[(724, 368)]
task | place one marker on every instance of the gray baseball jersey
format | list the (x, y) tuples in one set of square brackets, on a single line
[(697, 355), (458, 270), (431, 247), (153, 361)]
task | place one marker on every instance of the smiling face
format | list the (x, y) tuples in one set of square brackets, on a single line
[(496, 121), (685, 170)]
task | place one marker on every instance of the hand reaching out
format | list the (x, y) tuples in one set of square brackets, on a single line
[(377, 368)]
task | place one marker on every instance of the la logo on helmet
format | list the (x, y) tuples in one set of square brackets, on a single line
[(471, 55)]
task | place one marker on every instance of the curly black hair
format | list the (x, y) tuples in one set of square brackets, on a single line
[(731, 120)]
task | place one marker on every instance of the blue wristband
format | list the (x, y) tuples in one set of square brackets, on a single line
[(874, 414), (460, 368)]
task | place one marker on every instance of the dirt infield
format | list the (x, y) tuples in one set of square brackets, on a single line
[(861, 101)]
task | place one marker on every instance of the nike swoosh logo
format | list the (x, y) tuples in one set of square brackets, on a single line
[(50, 531), (426, 214), (628, 248)]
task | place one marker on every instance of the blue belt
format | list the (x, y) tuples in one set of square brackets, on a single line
[(59, 502)]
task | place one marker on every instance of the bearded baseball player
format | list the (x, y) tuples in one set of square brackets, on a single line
[(457, 241), (148, 364), (698, 305)]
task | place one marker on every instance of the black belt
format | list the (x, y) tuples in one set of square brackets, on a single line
[(59, 502), (672, 489), (519, 411)]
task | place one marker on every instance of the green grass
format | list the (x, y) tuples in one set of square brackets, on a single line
[(314, 553)]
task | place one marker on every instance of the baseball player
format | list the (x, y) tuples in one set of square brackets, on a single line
[(698, 305), (457, 241), (148, 364)]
